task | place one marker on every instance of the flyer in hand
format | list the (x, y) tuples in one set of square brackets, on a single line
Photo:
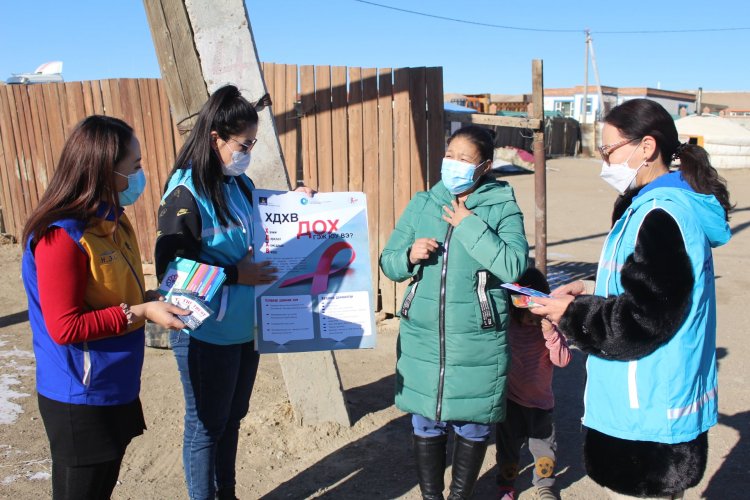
[(322, 298), (191, 285)]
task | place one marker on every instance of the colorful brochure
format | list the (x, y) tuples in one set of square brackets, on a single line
[(191, 285)]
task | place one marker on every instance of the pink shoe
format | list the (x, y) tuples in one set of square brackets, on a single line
[(506, 493)]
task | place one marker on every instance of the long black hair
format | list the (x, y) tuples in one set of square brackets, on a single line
[(227, 113), (638, 118)]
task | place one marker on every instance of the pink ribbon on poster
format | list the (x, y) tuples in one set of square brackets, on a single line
[(323, 270)]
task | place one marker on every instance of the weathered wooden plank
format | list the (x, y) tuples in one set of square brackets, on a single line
[(385, 182), (88, 98), (354, 110), (402, 147), (169, 133), (145, 210), (96, 97), (38, 128), (150, 86), (13, 198), (74, 98), (117, 108), (291, 154), (370, 162), (150, 162), (55, 121), (5, 210), (309, 127), (26, 163), (122, 102), (418, 100), (435, 125), (402, 139), (278, 96), (50, 160), (323, 126), (339, 129), (500, 121)]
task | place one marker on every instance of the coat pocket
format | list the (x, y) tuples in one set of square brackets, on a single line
[(485, 304)]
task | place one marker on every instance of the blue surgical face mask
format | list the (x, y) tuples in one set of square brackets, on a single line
[(458, 176), (136, 185)]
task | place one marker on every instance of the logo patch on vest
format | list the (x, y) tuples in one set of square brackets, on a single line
[(108, 257)]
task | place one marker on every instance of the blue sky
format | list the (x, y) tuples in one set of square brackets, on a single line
[(98, 39)]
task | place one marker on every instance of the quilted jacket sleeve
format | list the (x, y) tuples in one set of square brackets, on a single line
[(394, 261), (502, 250)]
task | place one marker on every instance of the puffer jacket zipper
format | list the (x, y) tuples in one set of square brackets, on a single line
[(441, 324)]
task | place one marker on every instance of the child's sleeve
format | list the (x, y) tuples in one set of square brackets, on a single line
[(559, 353)]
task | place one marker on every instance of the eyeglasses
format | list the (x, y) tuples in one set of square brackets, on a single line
[(607, 149), (244, 148)]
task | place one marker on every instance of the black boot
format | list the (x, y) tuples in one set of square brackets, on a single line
[(429, 453), (467, 461), (226, 494)]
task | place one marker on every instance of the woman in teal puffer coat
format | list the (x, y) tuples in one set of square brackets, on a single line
[(457, 243)]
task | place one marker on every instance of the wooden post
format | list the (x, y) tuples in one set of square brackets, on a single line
[(202, 45), (540, 169)]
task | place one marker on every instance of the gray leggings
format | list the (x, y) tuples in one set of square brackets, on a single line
[(522, 424)]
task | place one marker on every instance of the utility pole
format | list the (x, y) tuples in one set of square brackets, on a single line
[(202, 45), (540, 168), (586, 80), (598, 82)]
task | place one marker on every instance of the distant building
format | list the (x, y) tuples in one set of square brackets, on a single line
[(569, 101)]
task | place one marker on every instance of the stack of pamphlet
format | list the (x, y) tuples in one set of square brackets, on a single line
[(191, 285)]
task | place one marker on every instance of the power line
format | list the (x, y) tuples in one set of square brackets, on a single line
[(543, 30)]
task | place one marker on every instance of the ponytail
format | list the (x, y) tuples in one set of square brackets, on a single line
[(227, 113), (695, 167)]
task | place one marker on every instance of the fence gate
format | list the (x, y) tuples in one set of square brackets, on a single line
[(379, 131)]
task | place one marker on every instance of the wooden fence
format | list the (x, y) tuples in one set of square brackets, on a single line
[(379, 131)]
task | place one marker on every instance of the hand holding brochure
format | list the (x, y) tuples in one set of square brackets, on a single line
[(191, 285), (525, 300)]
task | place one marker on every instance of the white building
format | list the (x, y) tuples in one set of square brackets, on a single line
[(569, 101)]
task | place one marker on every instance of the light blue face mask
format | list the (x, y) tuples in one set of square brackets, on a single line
[(458, 176), (136, 185)]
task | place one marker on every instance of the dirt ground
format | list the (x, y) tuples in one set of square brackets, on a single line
[(279, 459)]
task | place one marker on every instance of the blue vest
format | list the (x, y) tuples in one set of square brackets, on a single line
[(669, 396), (107, 371), (233, 319)]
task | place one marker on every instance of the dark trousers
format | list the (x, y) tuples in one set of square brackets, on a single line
[(524, 424), (87, 482)]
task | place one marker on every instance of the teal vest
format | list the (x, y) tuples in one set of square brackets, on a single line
[(233, 306), (669, 396)]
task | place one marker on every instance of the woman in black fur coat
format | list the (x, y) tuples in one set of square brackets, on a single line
[(649, 326)]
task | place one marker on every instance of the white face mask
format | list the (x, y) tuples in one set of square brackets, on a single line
[(240, 163), (619, 175)]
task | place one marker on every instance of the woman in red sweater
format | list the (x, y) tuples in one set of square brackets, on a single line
[(87, 307)]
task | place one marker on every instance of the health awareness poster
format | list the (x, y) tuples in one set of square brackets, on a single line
[(322, 299)]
